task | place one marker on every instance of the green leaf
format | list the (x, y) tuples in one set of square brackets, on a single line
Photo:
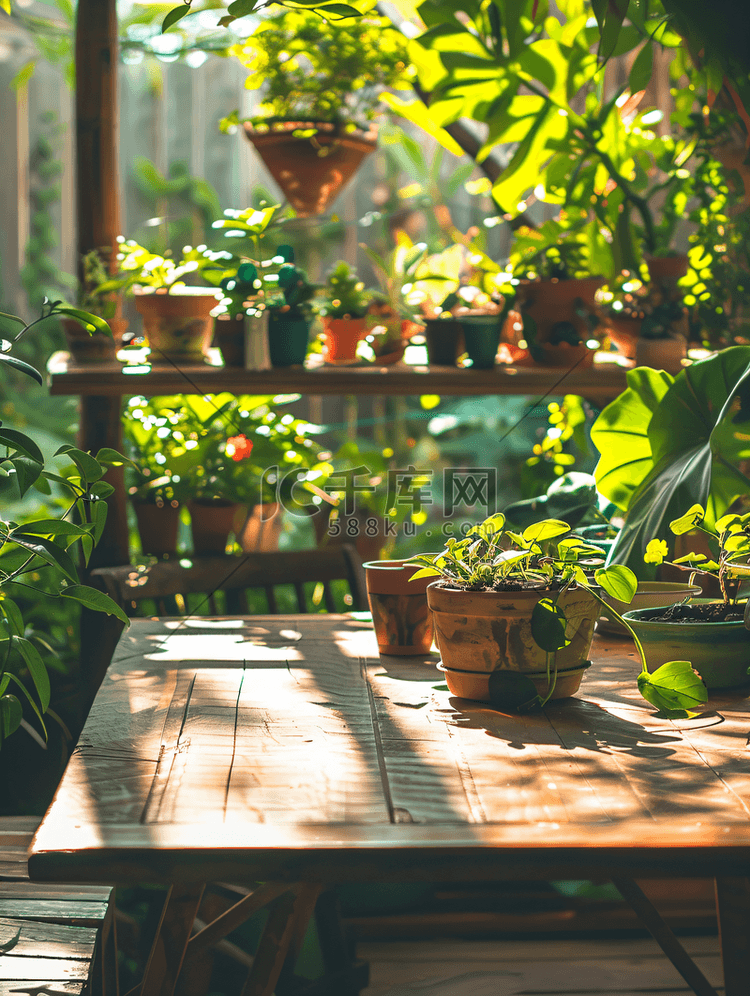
[(86, 319), (548, 622), (545, 530), (240, 8), (425, 572), (692, 518), (54, 527), (513, 692), (21, 443), (23, 76), (13, 615), (618, 581), (27, 471), (94, 599), (341, 10), (674, 686), (36, 667), (101, 489), (108, 457), (90, 468), (11, 715), (418, 114), (5, 5), (100, 518), (175, 15), (640, 74), (48, 551), (22, 366)]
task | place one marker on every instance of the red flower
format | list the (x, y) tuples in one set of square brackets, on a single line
[(239, 447)]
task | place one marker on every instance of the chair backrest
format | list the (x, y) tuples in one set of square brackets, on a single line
[(170, 582)]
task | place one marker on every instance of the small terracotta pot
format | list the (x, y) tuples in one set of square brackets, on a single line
[(229, 337), (549, 302), (177, 327), (400, 616), (157, 527), (624, 333), (342, 336), (258, 527), (96, 348), (211, 522), (661, 354), (310, 171)]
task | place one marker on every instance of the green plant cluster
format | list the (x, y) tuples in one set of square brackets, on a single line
[(314, 69), (215, 447), (547, 556), (35, 554)]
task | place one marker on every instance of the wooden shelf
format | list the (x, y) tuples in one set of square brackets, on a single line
[(600, 382)]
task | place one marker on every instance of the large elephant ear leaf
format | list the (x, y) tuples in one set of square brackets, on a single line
[(699, 444), (621, 434)]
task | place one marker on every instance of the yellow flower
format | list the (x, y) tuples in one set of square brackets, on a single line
[(656, 551)]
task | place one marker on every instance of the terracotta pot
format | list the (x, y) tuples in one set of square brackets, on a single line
[(310, 171), (661, 354), (342, 335), (157, 527), (211, 522), (667, 268), (258, 527), (476, 684), (178, 327), (445, 341), (229, 337), (400, 616), (549, 302), (96, 348), (624, 334), (491, 630)]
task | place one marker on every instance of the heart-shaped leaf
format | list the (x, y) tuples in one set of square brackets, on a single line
[(175, 15), (618, 581), (674, 686), (548, 622)]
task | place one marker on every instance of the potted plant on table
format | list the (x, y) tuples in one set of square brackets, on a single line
[(344, 308), (323, 80), (709, 633), (514, 616), (177, 319)]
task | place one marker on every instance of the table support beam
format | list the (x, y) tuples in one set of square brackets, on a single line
[(632, 893), (733, 911), (172, 934), (288, 920)]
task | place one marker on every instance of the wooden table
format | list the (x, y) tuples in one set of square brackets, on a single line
[(282, 750)]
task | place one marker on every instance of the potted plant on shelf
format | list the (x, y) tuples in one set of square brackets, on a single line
[(514, 616), (393, 314), (177, 319), (96, 289), (290, 314), (322, 80), (435, 292), (667, 443), (709, 633), (344, 307)]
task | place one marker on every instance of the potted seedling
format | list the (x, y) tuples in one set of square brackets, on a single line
[(290, 314), (176, 317), (394, 315), (711, 634), (344, 307), (321, 81), (435, 291), (515, 613), (96, 295)]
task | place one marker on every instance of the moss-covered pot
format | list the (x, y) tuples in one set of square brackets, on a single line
[(491, 630), (718, 651)]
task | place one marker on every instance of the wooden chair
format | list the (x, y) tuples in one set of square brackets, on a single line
[(172, 583)]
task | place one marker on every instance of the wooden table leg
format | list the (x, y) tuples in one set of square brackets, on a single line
[(285, 921), (170, 943), (733, 912)]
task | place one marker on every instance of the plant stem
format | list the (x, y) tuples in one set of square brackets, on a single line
[(638, 203)]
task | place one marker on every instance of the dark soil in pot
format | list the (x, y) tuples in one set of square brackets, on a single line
[(708, 612)]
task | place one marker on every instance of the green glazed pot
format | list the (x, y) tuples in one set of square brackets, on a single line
[(287, 340), (718, 651), (481, 338)]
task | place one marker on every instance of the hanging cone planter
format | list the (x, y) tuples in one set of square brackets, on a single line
[(312, 169)]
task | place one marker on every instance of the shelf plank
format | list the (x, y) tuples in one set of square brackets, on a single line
[(601, 382)]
